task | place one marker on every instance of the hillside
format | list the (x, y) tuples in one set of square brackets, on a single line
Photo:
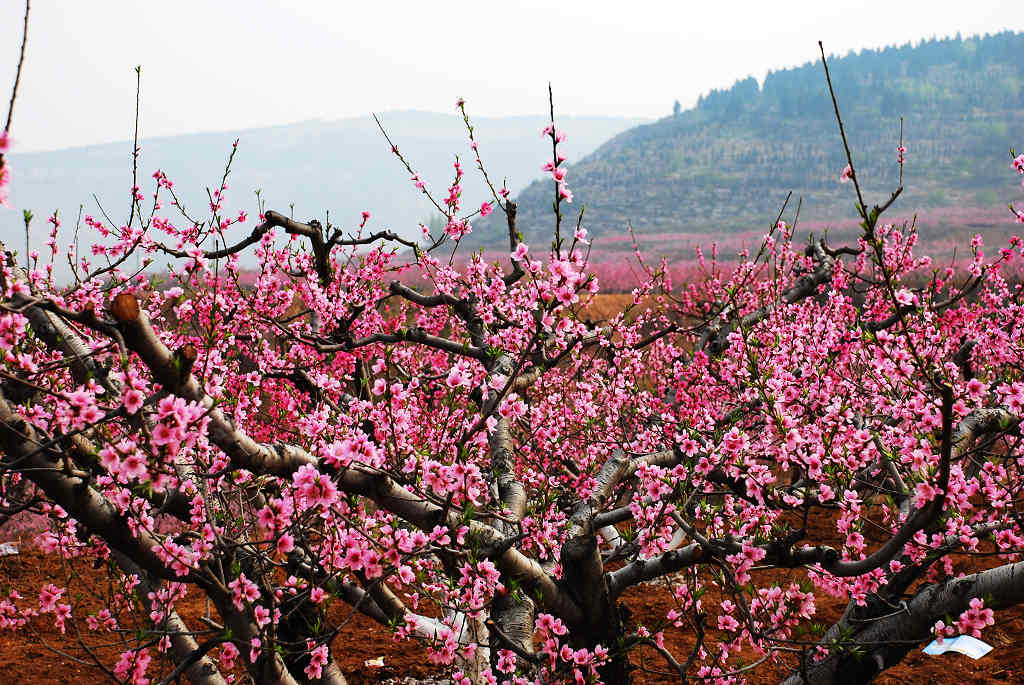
[(727, 164), (343, 167)]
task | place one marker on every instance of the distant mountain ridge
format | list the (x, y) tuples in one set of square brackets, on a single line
[(342, 167), (727, 164)]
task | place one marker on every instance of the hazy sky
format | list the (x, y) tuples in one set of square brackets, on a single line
[(224, 64)]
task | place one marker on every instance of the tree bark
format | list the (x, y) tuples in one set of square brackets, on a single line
[(885, 641)]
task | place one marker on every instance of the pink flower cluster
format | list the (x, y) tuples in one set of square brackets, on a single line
[(5, 169), (554, 167), (971, 622)]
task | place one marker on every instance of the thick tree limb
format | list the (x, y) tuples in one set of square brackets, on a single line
[(887, 640), (648, 569), (54, 332), (20, 441)]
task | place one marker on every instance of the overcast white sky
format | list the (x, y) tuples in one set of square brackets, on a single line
[(226, 64)]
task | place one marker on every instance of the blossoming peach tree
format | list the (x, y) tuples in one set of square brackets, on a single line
[(453, 450)]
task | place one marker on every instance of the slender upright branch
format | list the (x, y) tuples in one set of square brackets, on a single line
[(17, 73)]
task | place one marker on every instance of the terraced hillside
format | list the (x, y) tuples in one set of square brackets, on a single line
[(727, 164)]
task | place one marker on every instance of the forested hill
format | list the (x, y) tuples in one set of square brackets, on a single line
[(729, 162)]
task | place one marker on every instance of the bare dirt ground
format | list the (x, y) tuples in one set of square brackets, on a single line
[(44, 656)]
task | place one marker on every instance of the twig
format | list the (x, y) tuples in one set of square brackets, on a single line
[(862, 208), (17, 74), (135, 147)]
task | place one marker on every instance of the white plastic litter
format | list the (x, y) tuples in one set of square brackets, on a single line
[(965, 644), (375, 663), (8, 549)]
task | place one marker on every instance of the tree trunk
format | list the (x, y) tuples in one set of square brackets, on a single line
[(584, 579)]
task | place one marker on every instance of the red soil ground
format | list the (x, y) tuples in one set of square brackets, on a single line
[(44, 656)]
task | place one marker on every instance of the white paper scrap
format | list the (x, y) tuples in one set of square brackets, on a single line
[(965, 644), (8, 549)]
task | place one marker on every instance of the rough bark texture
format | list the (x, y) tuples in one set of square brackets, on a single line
[(584, 577), (885, 641)]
